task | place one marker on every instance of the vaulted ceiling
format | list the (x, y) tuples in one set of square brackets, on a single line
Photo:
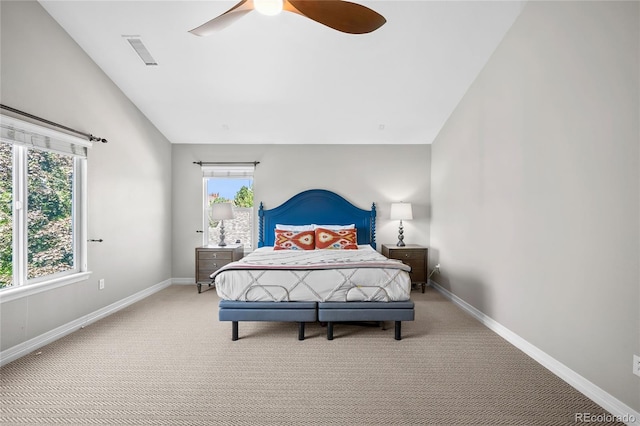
[(287, 79)]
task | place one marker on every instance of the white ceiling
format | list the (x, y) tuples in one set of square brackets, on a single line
[(287, 79)]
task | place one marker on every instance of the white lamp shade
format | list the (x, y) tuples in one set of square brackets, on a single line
[(401, 211), (221, 211)]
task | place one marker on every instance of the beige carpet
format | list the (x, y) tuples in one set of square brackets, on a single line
[(167, 360)]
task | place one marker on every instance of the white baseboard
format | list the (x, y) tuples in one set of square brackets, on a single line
[(31, 345), (616, 407)]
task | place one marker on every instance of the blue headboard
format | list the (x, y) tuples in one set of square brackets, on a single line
[(317, 206)]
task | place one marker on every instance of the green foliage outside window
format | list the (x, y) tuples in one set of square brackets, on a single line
[(244, 197), (49, 214), (6, 220), (220, 200), (50, 232)]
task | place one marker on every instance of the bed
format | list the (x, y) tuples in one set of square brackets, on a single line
[(315, 261)]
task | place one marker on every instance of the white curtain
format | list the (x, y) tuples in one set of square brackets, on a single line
[(229, 171), (15, 131)]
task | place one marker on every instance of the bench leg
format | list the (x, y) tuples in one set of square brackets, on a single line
[(300, 331), (329, 330), (234, 330), (398, 330)]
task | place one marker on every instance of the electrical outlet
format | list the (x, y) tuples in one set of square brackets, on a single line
[(101, 284), (435, 270), (636, 365)]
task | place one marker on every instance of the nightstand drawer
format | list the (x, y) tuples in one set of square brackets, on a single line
[(212, 264), (204, 277), (222, 255), (208, 267), (407, 254)]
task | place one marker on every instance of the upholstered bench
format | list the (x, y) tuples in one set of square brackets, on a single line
[(300, 312), (331, 312)]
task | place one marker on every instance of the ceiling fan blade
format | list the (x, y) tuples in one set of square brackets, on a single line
[(222, 21), (340, 15)]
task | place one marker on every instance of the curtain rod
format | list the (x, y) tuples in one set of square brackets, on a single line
[(51, 123), (226, 163)]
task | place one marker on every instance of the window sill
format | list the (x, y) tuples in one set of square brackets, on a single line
[(13, 293)]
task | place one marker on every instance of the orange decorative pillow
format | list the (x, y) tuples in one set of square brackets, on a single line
[(294, 240), (340, 239)]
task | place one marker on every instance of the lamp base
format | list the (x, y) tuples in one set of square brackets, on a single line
[(221, 243), (400, 242)]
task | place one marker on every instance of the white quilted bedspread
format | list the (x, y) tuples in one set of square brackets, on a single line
[(314, 275)]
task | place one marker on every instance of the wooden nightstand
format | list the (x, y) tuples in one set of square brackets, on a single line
[(211, 258), (413, 255)]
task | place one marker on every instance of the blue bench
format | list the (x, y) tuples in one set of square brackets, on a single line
[(300, 312), (331, 312)]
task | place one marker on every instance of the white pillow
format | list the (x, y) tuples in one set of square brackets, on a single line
[(294, 227), (334, 227)]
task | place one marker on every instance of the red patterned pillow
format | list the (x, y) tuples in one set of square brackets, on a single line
[(294, 240), (341, 239)]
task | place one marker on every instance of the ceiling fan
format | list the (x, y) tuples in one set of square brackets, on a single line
[(340, 15)]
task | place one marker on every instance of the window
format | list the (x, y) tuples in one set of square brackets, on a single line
[(6, 216), (42, 204), (229, 184)]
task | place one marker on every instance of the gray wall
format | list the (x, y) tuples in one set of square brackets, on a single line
[(535, 189), (44, 72), (363, 174)]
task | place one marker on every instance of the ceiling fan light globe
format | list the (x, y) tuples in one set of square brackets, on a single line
[(268, 7)]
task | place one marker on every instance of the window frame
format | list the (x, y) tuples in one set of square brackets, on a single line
[(227, 172), (24, 136)]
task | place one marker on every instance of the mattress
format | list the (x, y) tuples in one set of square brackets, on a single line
[(314, 276)]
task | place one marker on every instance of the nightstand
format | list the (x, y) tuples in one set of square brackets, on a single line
[(413, 255), (211, 258)]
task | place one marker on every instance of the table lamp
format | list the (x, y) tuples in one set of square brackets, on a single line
[(401, 211), (221, 211)]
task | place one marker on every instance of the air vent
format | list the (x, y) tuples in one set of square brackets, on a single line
[(141, 50)]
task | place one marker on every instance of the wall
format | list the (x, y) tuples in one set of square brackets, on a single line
[(535, 189), (362, 174), (44, 72)]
